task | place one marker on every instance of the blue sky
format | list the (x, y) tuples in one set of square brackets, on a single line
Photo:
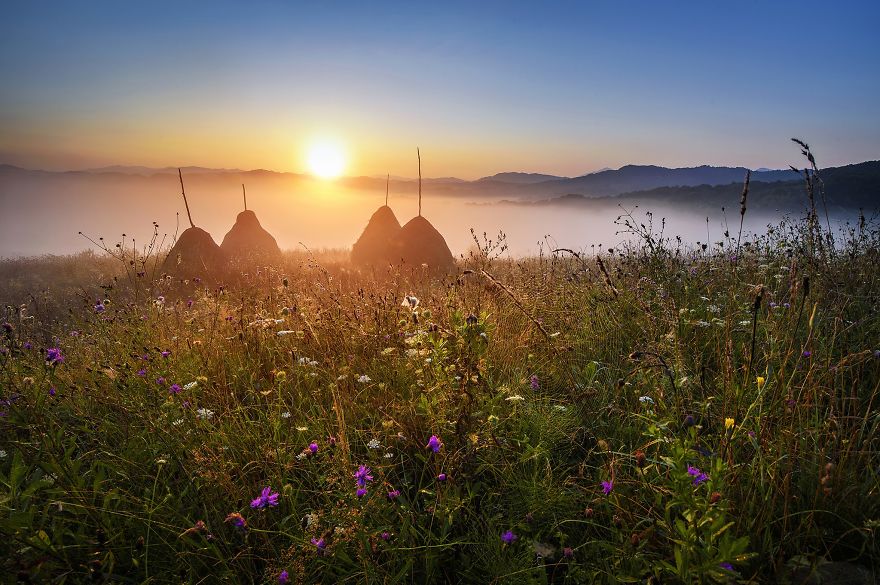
[(482, 87)]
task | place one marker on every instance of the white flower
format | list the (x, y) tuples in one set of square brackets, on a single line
[(646, 400), (178, 422), (560, 407), (301, 456), (364, 379), (373, 444), (713, 309), (205, 414), (746, 322), (2, 454), (514, 398), (190, 386), (388, 455), (285, 415), (410, 301)]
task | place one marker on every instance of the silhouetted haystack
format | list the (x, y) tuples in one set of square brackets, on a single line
[(375, 246), (248, 241), (195, 253), (418, 242)]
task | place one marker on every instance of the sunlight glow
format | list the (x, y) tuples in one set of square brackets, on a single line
[(326, 159)]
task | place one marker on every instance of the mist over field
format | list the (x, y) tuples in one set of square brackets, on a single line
[(42, 213)]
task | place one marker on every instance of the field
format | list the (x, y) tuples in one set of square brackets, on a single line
[(652, 413)]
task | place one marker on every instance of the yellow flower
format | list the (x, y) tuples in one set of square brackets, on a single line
[(761, 381), (281, 376), (728, 423)]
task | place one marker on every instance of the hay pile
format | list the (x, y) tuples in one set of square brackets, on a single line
[(419, 242), (194, 254), (376, 244), (248, 241)]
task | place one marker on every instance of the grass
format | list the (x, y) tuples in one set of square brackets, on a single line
[(542, 377)]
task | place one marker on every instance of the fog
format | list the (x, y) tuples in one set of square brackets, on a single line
[(42, 213)]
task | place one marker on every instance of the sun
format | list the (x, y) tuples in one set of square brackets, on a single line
[(326, 159)]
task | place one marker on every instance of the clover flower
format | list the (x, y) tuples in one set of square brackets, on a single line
[(266, 498), (607, 486), (442, 477), (319, 543), (434, 444), (509, 537), (313, 447), (175, 389), (393, 494), (533, 381), (361, 492), (283, 577), (54, 356)]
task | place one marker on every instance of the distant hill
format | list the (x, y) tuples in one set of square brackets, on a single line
[(520, 178)]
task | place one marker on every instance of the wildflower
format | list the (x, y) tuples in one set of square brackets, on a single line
[(364, 379), (285, 414), (362, 475), (283, 577), (509, 537), (807, 353), (205, 413), (373, 444), (699, 476), (688, 421), (434, 444), (393, 494), (567, 552), (237, 520), (99, 308), (714, 497), (302, 429), (319, 543), (189, 304), (166, 353), (28, 345), (51, 391), (361, 492), (441, 477), (313, 447), (729, 423), (410, 301), (761, 381), (142, 372), (726, 566), (641, 459), (175, 389), (514, 398), (190, 385), (266, 498), (607, 486), (533, 381), (646, 400), (53, 356), (385, 535)]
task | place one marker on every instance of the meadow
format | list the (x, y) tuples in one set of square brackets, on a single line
[(657, 413)]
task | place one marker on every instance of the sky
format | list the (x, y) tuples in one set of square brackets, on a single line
[(479, 87)]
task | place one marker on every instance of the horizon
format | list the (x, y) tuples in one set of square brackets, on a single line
[(564, 90)]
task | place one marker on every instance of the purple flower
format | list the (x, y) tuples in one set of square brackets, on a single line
[(166, 353), (189, 304), (362, 475), (28, 345), (283, 577), (319, 543), (509, 537), (699, 476), (441, 477), (726, 566), (175, 389), (807, 353), (434, 444), (386, 535), (266, 498), (361, 492), (689, 421), (142, 372), (53, 356), (607, 486), (52, 392), (237, 520), (534, 382), (313, 447), (160, 380), (393, 494), (99, 308), (567, 552)]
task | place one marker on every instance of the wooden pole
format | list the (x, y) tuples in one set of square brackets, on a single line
[(244, 194), (183, 191), (418, 154)]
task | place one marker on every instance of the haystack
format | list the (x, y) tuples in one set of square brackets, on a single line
[(248, 241), (375, 246), (419, 242), (195, 253)]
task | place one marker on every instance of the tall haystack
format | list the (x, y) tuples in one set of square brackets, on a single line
[(375, 246), (419, 242), (195, 253), (248, 241)]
